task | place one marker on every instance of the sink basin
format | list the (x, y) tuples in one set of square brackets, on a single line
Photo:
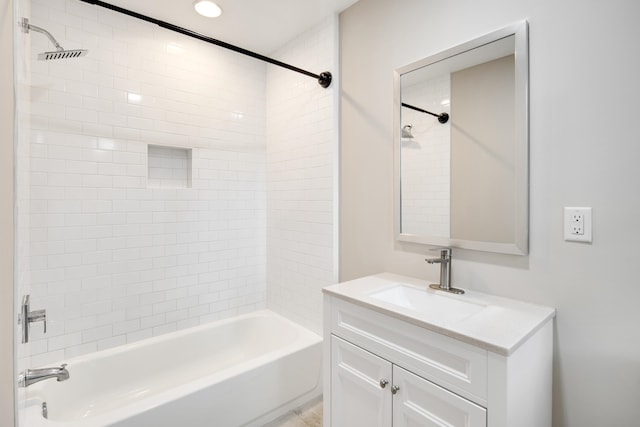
[(444, 307)]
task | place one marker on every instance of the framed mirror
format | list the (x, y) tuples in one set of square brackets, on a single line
[(461, 142)]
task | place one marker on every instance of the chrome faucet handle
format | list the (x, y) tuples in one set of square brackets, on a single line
[(39, 316), (27, 316), (445, 256), (442, 250)]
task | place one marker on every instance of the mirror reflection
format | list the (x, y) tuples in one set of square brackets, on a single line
[(462, 147)]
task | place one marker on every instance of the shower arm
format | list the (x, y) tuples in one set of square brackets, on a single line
[(26, 27), (442, 117), (324, 78)]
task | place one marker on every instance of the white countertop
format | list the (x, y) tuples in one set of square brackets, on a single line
[(500, 326)]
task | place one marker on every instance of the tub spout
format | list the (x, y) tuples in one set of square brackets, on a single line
[(32, 376)]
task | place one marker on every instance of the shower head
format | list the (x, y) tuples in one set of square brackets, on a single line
[(60, 52), (406, 131)]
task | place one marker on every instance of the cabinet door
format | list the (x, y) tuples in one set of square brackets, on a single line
[(357, 396), (421, 403)]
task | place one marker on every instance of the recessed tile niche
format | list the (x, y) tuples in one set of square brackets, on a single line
[(169, 167)]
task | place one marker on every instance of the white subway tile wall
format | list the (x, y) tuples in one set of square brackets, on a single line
[(112, 259), (116, 256), (301, 173), (426, 160)]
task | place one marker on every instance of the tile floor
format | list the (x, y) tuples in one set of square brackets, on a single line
[(308, 415)]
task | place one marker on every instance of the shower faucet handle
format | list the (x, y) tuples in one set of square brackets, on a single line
[(27, 316)]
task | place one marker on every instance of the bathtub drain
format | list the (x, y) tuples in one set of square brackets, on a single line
[(45, 412)]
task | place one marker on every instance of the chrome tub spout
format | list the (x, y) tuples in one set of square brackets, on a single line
[(32, 376)]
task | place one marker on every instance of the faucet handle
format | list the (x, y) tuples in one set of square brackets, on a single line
[(27, 316), (39, 316), (446, 250), (445, 255)]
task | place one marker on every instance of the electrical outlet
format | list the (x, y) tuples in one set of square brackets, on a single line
[(577, 224)]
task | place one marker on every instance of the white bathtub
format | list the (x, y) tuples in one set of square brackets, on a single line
[(241, 371)]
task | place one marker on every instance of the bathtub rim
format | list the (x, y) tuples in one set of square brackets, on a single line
[(193, 329)]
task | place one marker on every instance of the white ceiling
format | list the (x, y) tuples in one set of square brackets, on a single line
[(259, 25)]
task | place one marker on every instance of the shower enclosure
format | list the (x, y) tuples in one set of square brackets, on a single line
[(164, 183)]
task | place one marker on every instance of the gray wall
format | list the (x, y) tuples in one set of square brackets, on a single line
[(6, 215), (482, 156), (585, 147)]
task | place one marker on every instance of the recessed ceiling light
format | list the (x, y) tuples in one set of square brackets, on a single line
[(207, 8)]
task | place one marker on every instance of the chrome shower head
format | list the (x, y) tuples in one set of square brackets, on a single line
[(60, 52)]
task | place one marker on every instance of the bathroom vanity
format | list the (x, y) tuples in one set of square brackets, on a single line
[(400, 354)]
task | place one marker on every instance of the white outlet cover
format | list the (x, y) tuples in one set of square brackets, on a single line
[(586, 214)]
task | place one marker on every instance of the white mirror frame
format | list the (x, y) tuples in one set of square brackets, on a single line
[(520, 245)]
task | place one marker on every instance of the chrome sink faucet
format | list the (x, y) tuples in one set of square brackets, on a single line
[(32, 376), (445, 272)]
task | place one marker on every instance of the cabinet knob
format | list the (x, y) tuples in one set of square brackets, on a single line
[(383, 383), (394, 389)]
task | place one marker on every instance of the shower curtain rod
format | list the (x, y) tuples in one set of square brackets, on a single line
[(324, 78), (442, 117)]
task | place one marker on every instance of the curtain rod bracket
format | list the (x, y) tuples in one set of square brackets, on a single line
[(325, 79), (443, 118)]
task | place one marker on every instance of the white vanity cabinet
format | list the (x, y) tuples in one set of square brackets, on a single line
[(386, 366), (360, 386), (367, 390)]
